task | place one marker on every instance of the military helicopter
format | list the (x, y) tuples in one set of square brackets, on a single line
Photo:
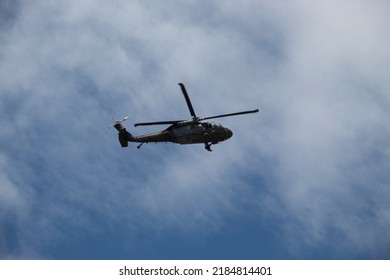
[(193, 131)]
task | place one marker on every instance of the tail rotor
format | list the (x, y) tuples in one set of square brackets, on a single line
[(123, 135), (117, 124)]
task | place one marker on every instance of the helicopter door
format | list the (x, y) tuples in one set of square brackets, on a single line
[(181, 131)]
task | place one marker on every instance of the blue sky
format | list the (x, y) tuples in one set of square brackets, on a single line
[(306, 178)]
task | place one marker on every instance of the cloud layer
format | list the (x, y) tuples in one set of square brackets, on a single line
[(310, 170)]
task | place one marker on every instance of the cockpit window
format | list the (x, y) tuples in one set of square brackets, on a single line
[(211, 125)]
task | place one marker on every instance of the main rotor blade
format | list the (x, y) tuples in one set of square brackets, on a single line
[(157, 123), (232, 114), (183, 89)]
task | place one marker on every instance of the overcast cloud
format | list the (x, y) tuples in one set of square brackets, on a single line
[(307, 177)]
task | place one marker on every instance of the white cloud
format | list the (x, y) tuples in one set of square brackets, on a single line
[(318, 73), (330, 142)]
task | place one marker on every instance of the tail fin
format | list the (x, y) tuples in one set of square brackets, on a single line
[(123, 135)]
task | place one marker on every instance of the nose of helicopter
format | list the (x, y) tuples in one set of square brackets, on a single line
[(228, 133)]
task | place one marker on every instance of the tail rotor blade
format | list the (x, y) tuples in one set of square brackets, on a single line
[(117, 122)]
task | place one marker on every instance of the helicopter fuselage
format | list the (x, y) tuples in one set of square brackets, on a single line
[(192, 131), (187, 133)]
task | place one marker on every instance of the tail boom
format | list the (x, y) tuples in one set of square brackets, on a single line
[(123, 135)]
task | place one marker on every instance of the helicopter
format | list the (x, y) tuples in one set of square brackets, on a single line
[(192, 131)]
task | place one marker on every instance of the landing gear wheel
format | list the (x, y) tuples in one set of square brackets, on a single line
[(207, 146)]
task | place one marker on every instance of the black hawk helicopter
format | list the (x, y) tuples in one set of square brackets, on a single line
[(193, 131)]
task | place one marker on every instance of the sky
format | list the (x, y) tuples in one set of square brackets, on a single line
[(305, 178)]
